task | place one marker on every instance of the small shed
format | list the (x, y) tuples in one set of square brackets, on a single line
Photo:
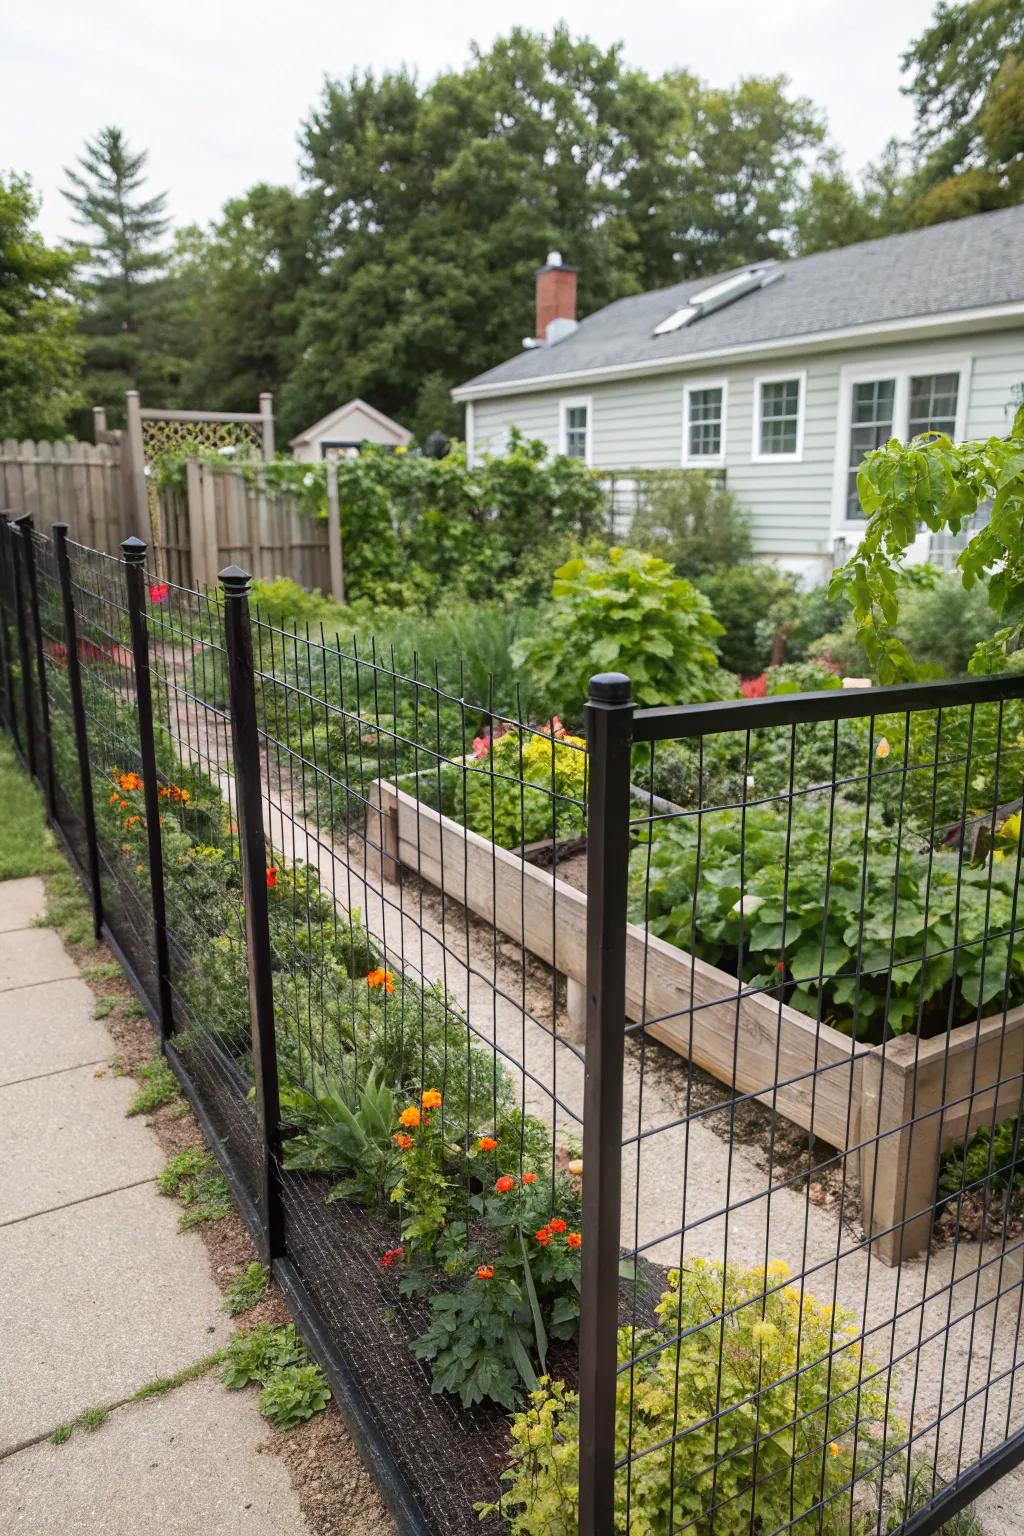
[(343, 432)]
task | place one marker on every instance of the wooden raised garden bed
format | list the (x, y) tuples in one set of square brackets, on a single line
[(892, 1109)]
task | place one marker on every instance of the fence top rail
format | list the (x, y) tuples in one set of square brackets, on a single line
[(153, 413), (677, 722)]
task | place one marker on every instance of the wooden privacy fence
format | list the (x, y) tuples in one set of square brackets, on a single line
[(226, 517), (75, 483)]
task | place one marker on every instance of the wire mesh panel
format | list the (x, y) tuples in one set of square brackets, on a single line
[(10, 670), (821, 1133), (425, 1064)]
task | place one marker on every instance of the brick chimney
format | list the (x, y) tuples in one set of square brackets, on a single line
[(556, 294)]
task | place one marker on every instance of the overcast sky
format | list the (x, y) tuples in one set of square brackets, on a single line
[(217, 91)]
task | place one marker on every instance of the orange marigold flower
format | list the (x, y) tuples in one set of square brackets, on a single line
[(574, 1240), (402, 1140), (410, 1116), (529, 1178), (131, 821), (123, 805), (389, 1258), (431, 1099), (129, 781), (543, 1236), (505, 1183), (115, 797), (487, 1144), (381, 978), (271, 876), (557, 1224), (485, 1272)]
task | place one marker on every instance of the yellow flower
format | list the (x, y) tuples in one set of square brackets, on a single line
[(778, 1269), (833, 1449), (883, 749), (431, 1099)]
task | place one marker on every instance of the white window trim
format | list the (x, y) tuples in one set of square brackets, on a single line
[(756, 456), (703, 460), (901, 368), (565, 405)]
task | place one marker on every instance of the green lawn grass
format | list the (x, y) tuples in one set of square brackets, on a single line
[(26, 842)]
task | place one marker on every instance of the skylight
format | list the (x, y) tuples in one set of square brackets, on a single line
[(720, 294)]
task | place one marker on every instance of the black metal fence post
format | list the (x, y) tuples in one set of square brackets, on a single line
[(59, 533), (15, 536), (609, 726), (134, 551), (253, 848), (25, 526)]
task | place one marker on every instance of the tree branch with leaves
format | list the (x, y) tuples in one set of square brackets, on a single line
[(944, 486)]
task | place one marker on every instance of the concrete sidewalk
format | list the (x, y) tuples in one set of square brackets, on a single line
[(99, 1291)]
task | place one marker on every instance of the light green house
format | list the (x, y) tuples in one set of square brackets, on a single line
[(781, 374)]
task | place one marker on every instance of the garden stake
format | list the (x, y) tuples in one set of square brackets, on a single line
[(134, 552), (609, 726), (60, 546), (253, 851)]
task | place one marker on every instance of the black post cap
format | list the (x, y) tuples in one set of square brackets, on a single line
[(134, 550), (610, 688), (234, 580)]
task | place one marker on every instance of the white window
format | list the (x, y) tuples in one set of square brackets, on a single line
[(902, 399), (574, 431), (779, 418), (704, 422)]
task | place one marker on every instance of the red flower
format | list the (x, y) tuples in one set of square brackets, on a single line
[(271, 877), (543, 1236), (781, 965), (574, 1240), (529, 1178), (487, 1144), (505, 1183), (754, 687), (557, 1225), (485, 1272), (390, 1257), (402, 1141), (158, 592)]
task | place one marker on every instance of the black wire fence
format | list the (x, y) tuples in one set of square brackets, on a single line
[(658, 1085)]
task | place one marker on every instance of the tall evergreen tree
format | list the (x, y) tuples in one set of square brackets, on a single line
[(124, 263), (39, 353)]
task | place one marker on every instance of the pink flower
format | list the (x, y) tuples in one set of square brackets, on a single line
[(158, 592), (754, 687), (481, 746)]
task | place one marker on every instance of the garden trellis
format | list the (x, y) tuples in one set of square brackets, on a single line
[(351, 899)]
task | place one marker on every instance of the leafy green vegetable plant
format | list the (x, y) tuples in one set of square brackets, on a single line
[(255, 1355), (624, 611)]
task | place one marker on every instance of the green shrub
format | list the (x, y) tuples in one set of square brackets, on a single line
[(747, 1408), (623, 612), (689, 518), (246, 1290), (524, 788), (742, 596), (991, 1157)]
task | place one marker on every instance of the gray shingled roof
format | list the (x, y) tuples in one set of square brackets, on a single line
[(964, 264)]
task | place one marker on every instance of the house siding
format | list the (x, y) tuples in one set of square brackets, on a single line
[(638, 424)]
